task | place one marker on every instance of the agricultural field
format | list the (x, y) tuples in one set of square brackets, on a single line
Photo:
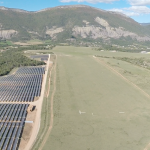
[(99, 102), (31, 42)]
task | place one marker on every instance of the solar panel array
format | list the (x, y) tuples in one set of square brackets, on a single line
[(31, 70), (43, 57), (12, 118), (23, 86)]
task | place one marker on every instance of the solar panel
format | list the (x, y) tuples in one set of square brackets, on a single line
[(20, 85), (23, 86), (12, 125)]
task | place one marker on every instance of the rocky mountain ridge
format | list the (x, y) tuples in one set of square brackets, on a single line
[(106, 31), (64, 22)]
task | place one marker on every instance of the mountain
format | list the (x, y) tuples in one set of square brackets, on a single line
[(77, 22), (145, 24)]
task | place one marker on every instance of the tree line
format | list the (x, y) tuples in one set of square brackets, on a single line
[(11, 59)]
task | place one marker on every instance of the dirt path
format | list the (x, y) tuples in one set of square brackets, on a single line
[(49, 83), (147, 147), (39, 109), (47, 95), (120, 75), (51, 111)]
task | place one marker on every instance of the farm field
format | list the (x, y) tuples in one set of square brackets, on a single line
[(97, 103), (31, 42)]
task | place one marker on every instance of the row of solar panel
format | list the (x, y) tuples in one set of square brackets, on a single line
[(39, 56), (28, 70), (20, 84), (11, 111), (23, 78), (31, 70), (21, 87), (12, 118), (42, 57), (16, 95)]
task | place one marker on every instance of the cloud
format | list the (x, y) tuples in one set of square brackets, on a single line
[(1, 2), (133, 10), (139, 9), (127, 13), (89, 1), (139, 2)]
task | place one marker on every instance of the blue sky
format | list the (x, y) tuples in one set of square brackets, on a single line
[(139, 10)]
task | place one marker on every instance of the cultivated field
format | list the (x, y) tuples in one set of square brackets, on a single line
[(97, 103)]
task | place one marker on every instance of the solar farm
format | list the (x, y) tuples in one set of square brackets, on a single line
[(42, 57), (12, 119), (17, 91), (23, 86)]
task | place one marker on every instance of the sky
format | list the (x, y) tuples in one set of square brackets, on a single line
[(139, 10)]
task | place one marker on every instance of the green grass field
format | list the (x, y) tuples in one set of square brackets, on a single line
[(117, 114)]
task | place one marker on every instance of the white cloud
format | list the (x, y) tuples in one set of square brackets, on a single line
[(89, 1), (1, 2), (139, 2), (127, 13), (139, 9), (133, 10)]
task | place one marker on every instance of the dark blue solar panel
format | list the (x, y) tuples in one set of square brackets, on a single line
[(11, 130)]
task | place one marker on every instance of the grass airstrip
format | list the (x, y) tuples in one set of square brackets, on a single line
[(100, 103)]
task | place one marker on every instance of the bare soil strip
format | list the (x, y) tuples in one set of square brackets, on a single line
[(48, 90), (147, 147), (124, 78), (47, 95), (51, 111)]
